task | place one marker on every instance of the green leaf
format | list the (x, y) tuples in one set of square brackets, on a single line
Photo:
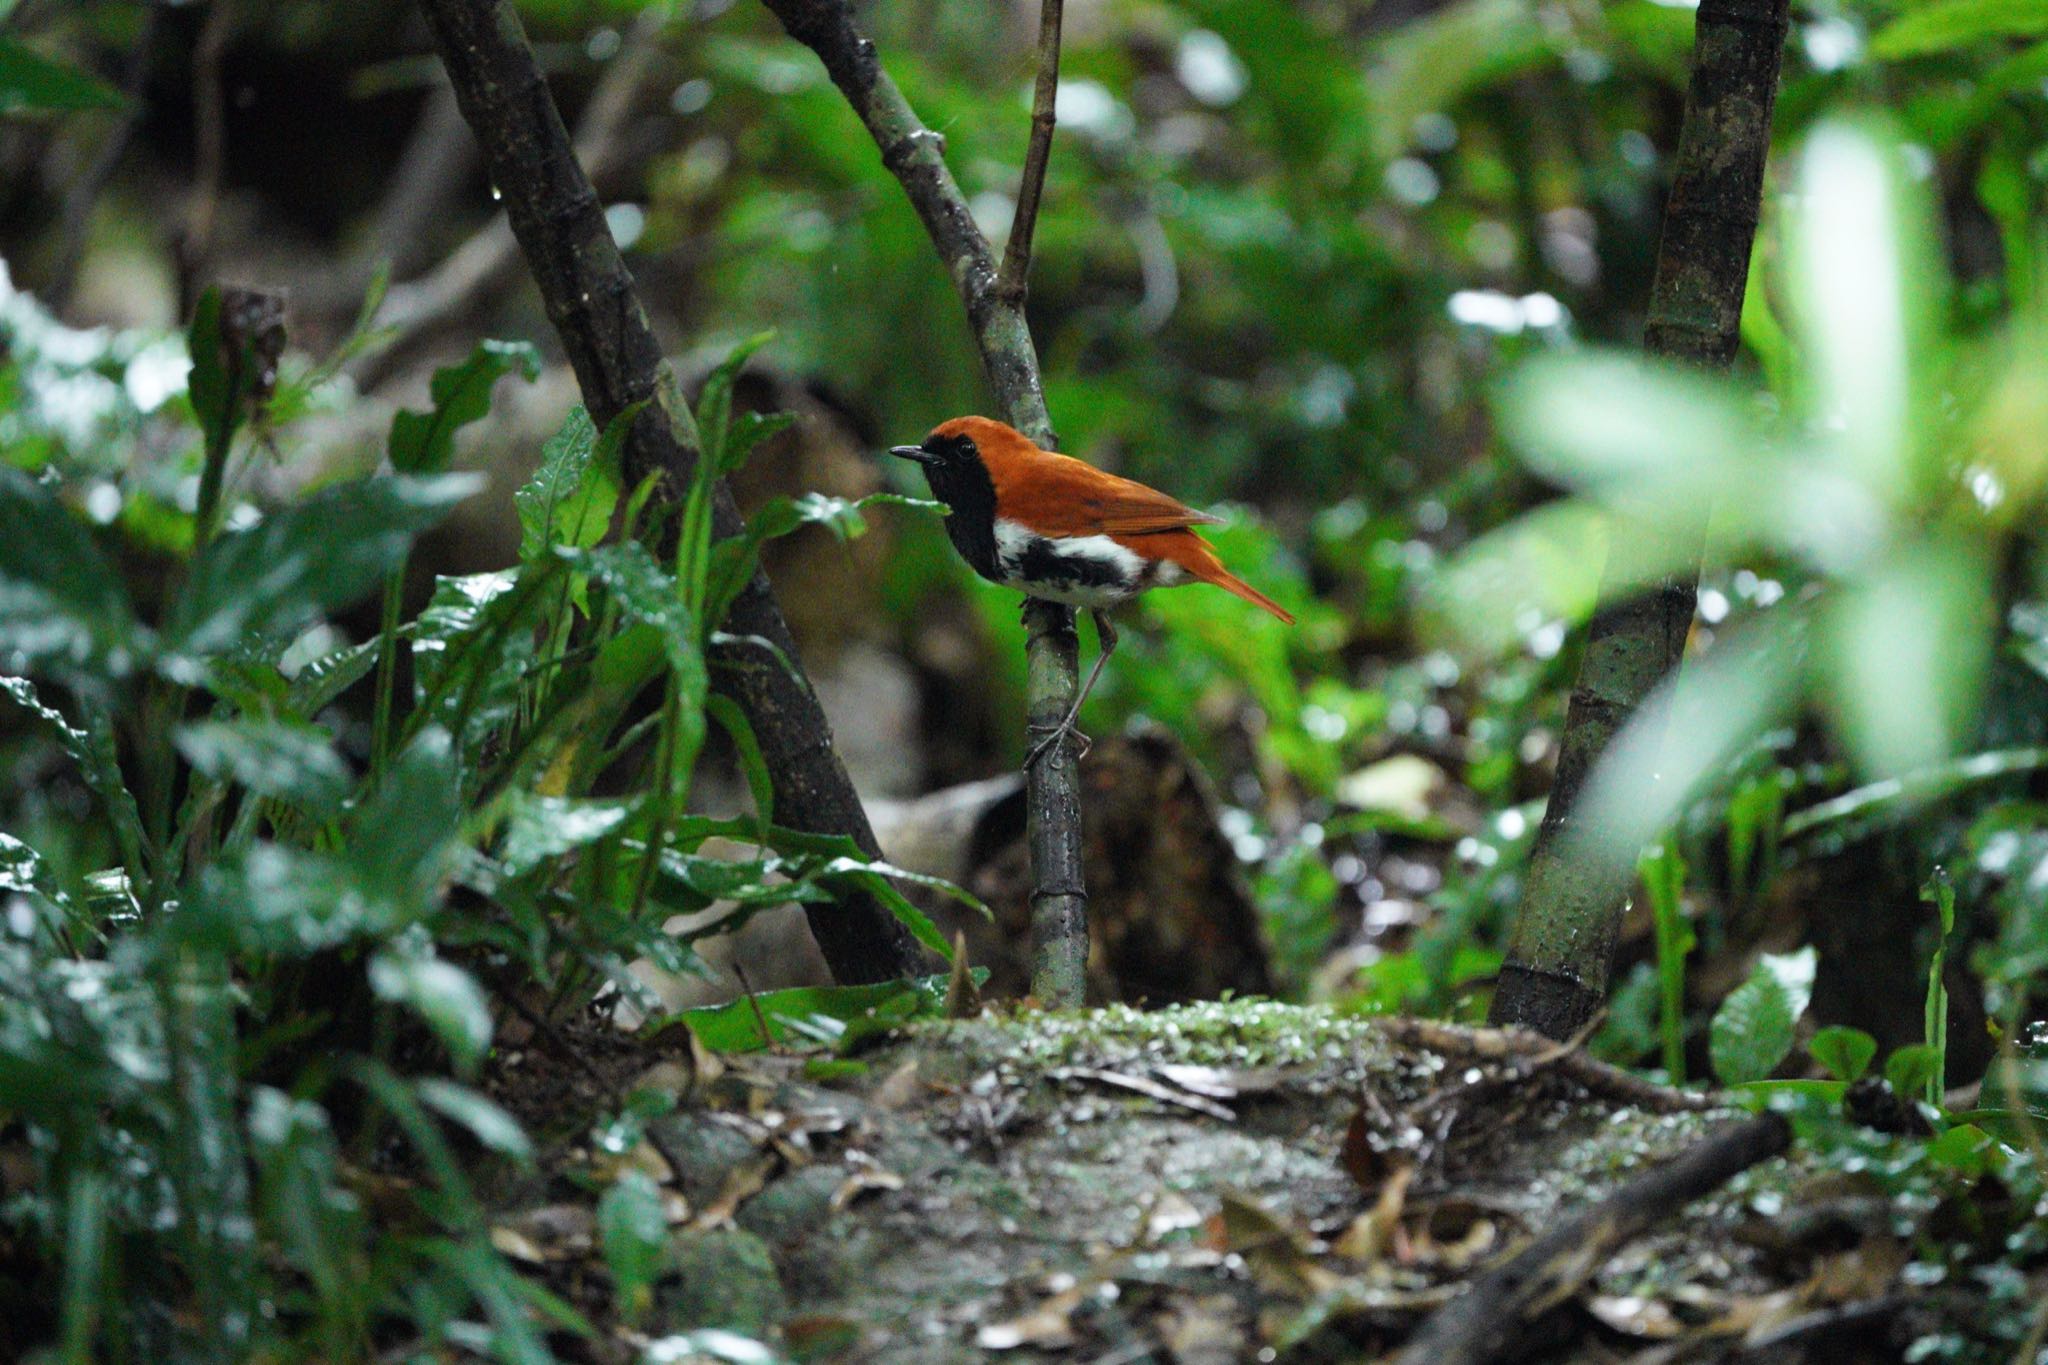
[(29, 81), (316, 686), (753, 763), (1909, 1070), (733, 559), (470, 655), (292, 763), (633, 1226), (316, 556), (321, 1226), (385, 873), (441, 993), (736, 1025), (714, 402), (571, 496), (1948, 24), (424, 442), (747, 431), (539, 829), (1965, 1149), (92, 749), (63, 606), (486, 1121), (1752, 1031), (1845, 1053), (644, 593), (208, 386)]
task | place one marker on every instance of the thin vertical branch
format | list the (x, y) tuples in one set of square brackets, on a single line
[(1014, 279), (1573, 897), (994, 300), (590, 296)]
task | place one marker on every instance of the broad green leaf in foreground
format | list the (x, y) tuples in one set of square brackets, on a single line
[(1752, 1031)]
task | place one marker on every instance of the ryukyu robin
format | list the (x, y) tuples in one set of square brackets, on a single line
[(1053, 527)]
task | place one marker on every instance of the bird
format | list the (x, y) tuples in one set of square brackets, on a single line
[(1059, 529)]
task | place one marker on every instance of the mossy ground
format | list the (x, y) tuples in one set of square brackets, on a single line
[(1119, 1185)]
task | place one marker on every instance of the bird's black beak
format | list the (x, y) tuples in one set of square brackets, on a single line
[(918, 453)]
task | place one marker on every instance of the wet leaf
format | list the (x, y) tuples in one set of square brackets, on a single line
[(424, 442), (316, 556), (1752, 1031), (296, 764)]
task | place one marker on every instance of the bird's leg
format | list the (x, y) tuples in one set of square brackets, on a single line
[(1106, 633)]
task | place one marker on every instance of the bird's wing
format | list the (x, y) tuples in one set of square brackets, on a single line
[(1057, 495)]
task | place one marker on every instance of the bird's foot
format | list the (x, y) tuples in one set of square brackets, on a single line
[(1053, 735)]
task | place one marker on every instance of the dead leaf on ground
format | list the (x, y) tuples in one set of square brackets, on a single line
[(861, 1181), (1636, 1316), (898, 1089), (742, 1183), (1373, 1232), (1223, 1082), (1280, 1256), (1146, 1086), (552, 1232)]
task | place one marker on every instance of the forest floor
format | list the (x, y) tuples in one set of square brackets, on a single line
[(1212, 1183)]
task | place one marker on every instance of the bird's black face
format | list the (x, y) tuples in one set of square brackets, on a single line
[(941, 452), (958, 478)]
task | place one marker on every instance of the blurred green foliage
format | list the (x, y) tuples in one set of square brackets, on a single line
[(1362, 276)]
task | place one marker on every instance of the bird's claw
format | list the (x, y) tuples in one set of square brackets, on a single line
[(1058, 733)]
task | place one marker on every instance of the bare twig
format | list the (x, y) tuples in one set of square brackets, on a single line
[(596, 310), (1481, 1324), (1532, 1053), (209, 159), (914, 154), (1574, 893), (1013, 280)]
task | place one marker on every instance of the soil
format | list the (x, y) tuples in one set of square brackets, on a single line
[(1222, 1182)]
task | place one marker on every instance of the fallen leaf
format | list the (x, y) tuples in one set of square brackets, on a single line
[(1146, 1086), (1276, 1252), (1370, 1234), (862, 1180), (1633, 1315), (1222, 1082), (898, 1088), (742, 1183)]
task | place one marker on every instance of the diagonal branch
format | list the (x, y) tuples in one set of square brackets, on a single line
[(591, 299), (914, 154), (1015, 276)]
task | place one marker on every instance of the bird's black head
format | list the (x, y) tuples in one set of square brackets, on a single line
[(953, 467), (942, 450)]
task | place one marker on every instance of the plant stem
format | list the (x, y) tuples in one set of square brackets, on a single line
[(1555, 977), (1014, 279), (387, 670), (591, 299), (1052, 820), (994, 302)]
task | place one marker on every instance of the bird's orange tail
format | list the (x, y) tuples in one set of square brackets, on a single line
[(1198, 557)]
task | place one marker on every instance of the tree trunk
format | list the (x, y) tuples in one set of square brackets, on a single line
[(592, 301), (1555, 978)]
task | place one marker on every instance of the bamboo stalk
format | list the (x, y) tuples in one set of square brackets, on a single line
[(1555, 977)]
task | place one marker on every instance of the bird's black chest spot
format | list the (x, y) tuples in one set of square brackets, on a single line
[(1041, 563), (965, 487)]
